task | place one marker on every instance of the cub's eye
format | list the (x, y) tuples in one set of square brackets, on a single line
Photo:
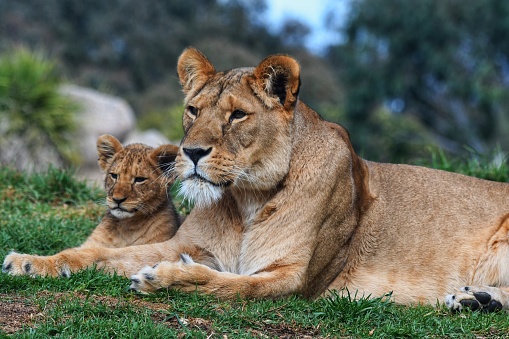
[(236, 115), (113, 176), (193, 111), (139, 179)]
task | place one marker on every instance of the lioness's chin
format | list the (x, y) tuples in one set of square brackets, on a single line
[(200, 192)]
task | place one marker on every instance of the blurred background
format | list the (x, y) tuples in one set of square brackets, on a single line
[(402, 76)]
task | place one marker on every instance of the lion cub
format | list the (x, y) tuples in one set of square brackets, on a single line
[(140, 210)]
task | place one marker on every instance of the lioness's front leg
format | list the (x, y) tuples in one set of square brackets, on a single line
[(188, 276)]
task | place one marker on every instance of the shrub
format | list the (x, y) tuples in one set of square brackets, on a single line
[(494, 166), (31, 106)]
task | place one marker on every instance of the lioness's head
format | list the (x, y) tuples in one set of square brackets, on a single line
[(135, 180), (237, 125)]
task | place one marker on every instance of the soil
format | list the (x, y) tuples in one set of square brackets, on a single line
[(19, 312)]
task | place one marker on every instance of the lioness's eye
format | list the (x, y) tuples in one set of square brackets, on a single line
[(114, 176), (192, 110), (139, 179), (237, 114)]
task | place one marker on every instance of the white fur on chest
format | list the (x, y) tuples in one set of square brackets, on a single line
[(253, 254)]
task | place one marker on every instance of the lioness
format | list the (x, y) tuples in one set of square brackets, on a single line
[(140, 210), (284, 205)]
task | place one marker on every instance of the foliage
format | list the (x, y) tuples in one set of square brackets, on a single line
[(36, 217), (441, 67), (445, 63), (31, 106), (384, 135), (131, 44), (493, 167), (132, 47)]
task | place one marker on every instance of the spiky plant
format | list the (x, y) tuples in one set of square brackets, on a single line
[(31, 106)]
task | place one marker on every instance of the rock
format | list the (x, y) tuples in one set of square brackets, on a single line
[(149, 137), (20, 154), (98, 114)]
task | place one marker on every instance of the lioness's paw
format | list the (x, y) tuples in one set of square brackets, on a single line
[(25, 264), (145, 281), (483, 298), (165, 274)]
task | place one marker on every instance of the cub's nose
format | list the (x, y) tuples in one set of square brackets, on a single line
[(195, 154), (118, 201)]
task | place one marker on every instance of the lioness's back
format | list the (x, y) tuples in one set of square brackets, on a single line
[(432, 194)]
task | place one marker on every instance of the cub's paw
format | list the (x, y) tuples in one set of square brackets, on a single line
[(483, 298), (32, 265)]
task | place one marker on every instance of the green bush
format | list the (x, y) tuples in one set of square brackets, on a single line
[(383, 136), (494, 166), (32, 105)]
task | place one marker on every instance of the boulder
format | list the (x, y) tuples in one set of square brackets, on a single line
[(23, 154), (149, 137), (98, 114)]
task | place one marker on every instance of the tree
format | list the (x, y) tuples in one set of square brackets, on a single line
[(444, 62)]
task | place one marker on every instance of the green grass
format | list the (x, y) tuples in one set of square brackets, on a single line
[(493, 166), (45, 213)]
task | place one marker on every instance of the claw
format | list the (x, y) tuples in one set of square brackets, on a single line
[(7, 267), (65, 272), (148, 276)]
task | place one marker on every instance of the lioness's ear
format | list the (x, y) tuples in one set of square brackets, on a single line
[(107, 147), (194, 69), (164, 158), (279, 77)]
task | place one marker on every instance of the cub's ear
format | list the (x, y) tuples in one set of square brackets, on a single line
[(279, 77), (194, 69), (107, 147), (164, 158)]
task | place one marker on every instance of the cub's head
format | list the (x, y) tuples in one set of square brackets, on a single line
[(136, 179), (237, 124)]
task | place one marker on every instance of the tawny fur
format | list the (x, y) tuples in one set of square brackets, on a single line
[(142, 213), (284, 205)]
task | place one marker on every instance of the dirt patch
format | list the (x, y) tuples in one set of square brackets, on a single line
[(279, 330), (286, 331), (17, 312)]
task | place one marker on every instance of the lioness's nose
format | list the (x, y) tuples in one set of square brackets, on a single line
[(195, 154)]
